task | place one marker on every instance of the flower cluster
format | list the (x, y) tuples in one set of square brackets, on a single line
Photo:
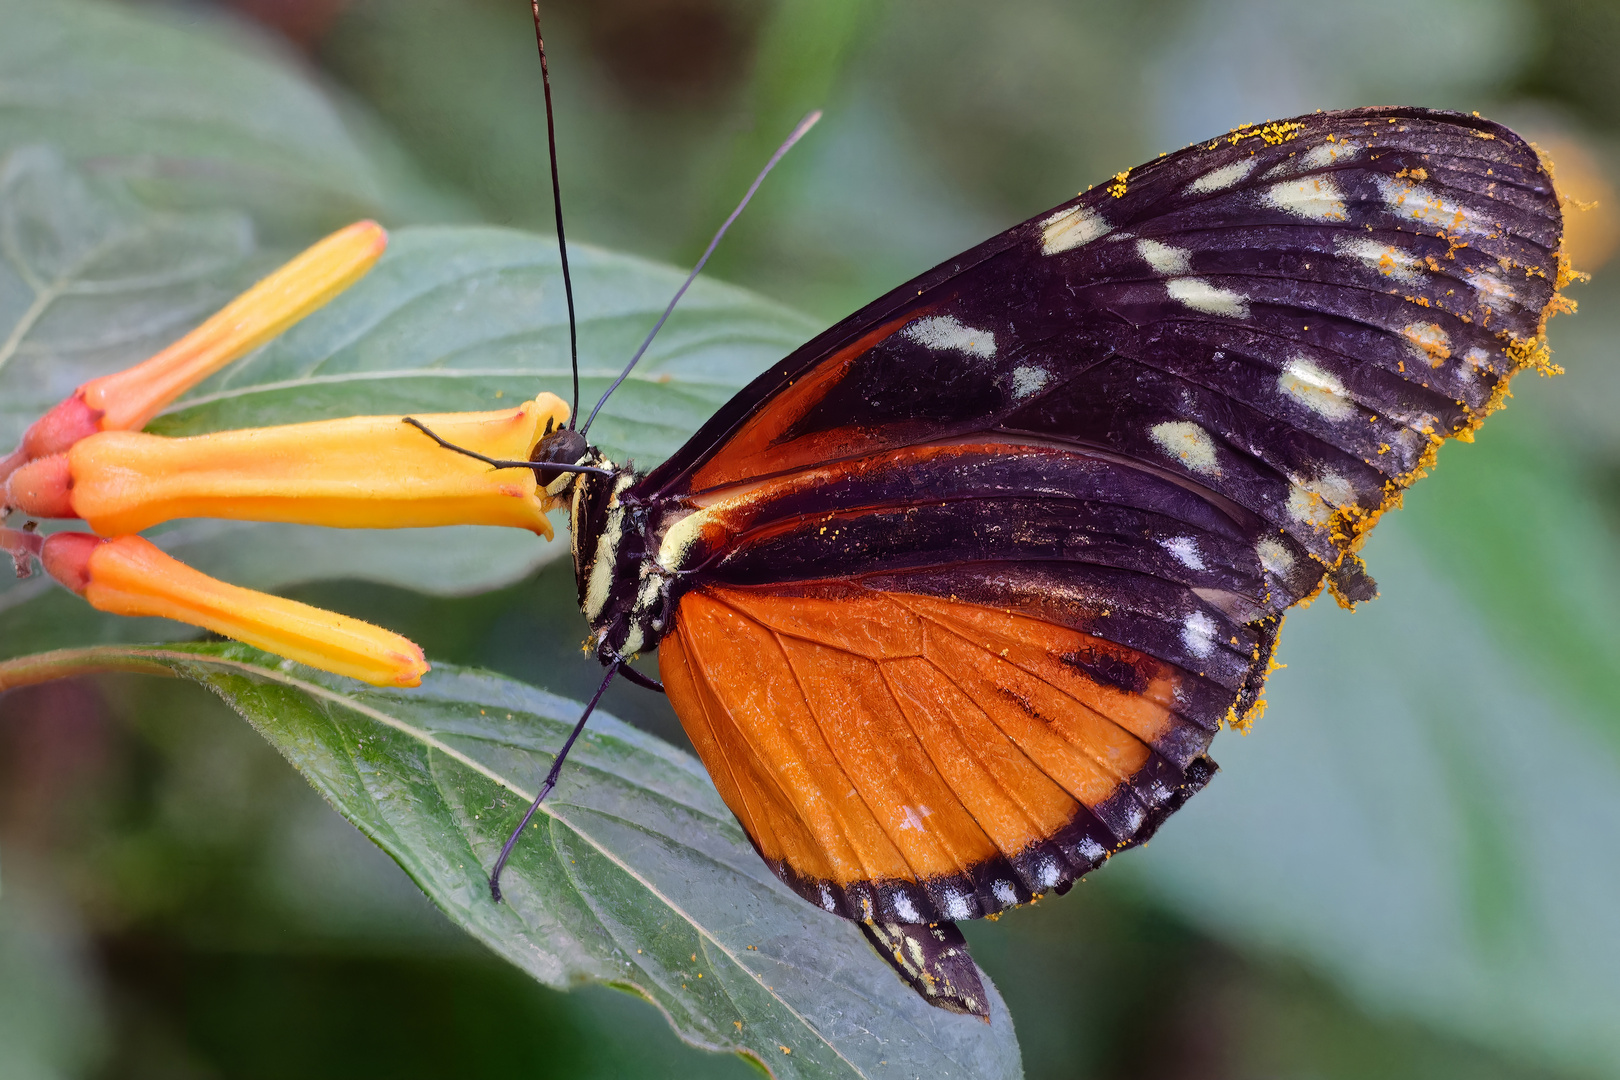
[(87, 459)]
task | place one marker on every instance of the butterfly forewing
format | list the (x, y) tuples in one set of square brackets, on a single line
[(965, 586)]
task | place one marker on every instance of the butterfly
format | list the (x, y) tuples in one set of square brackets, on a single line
[(952, 600)]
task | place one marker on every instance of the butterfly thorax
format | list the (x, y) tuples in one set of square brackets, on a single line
[(625, 594)]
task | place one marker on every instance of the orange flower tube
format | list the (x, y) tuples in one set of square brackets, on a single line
[(130, 576), (364, 472), (127, 399)]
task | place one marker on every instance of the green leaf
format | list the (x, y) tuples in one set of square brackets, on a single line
[(634, 874), (196, 114)]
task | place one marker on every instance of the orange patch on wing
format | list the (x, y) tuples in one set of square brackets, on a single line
[(1012, 799), (751, 792), (898, 735), (754, 449), (1053, 654), (758, 708)]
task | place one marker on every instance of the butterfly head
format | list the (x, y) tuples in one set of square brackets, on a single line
[(564, 446)]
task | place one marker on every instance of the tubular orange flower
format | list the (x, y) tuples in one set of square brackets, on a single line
[(127, 399), (367, 472), (130, 576), (83, 459)]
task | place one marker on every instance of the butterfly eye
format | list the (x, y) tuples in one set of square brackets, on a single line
[(565, 446)]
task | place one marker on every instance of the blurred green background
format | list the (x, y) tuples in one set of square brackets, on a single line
[(1410, 869)]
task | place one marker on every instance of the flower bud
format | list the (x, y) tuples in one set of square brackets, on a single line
[(130, 576)]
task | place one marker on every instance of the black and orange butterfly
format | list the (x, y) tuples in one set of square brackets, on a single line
[(952, 600)]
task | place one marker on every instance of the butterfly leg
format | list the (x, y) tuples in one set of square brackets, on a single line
[(632, 675), (545, 788)]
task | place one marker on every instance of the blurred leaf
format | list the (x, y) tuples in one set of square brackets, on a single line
[(51, 1027), (801, 53), (1510, 523), (196, 113), (1428, 809), (459, 81), (803, 49), (634, 874), (1209, 75)]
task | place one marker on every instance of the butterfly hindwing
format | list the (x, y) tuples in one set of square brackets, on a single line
[(913, 758)]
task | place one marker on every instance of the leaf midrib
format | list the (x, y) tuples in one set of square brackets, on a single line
[(427, 740)]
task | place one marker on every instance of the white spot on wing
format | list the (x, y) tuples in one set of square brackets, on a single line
[(1163, 258), (1493, 292), (1318, 390), (1320, 157), (1313, 501), (910, 820), (1222, 178), (1198, 634), (1027, 380), (1426, 206), (904, 908), (1003, 891), (1274, 556), (1092, 850), (1050, 872), (1309, 508), (1429, 342), (827, 900), (1185, 550), (956, 905), (947, 332), (1410, 441), (1387, 259), (1070, 228), (1200, 295), (1190, 443), (1314, 197), (1478, 358)]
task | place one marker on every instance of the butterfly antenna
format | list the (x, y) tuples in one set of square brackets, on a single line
[(556, 202), (545, 788), (798, 133)]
